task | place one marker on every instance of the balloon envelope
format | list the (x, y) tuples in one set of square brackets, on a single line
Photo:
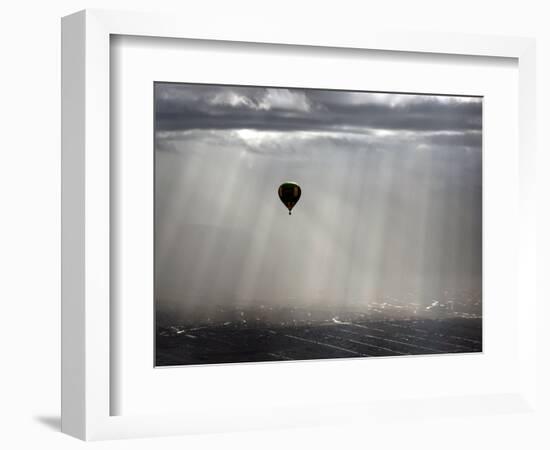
[(289, 193)]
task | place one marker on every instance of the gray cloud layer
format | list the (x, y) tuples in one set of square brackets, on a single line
[(209, 107)]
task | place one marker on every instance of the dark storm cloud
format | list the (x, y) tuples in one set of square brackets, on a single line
[(188, 107)]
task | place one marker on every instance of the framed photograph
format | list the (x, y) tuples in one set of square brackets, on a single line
[(383, 254), (269, 228)]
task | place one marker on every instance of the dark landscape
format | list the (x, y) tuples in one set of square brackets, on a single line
[(267, 334)]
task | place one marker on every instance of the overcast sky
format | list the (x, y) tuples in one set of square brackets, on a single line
[(391, 195)]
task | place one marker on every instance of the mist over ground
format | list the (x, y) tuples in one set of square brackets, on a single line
[(390, 208)]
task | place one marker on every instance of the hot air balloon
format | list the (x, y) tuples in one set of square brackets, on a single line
[(289, 193)]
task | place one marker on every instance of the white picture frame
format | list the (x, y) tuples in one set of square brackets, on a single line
[(86, 220)]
